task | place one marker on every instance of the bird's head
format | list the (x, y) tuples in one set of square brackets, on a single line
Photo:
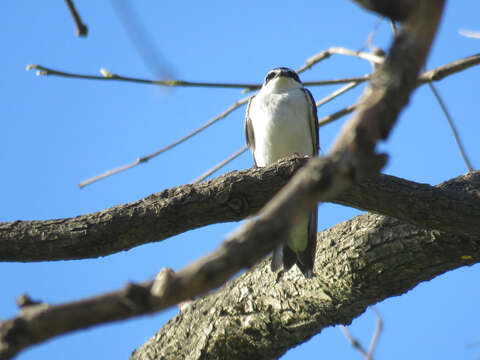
[(282, 78)]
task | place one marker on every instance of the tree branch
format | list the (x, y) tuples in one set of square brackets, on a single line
[(398, 10), (230, 197), (82, 29), (358, 263)]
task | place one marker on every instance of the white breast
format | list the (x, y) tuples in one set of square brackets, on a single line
[(281, 124)]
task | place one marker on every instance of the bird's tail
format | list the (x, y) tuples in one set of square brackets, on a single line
[(284, 257)]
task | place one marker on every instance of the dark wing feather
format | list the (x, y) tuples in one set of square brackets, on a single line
[(249, 131), (313, 121), (306, 258)]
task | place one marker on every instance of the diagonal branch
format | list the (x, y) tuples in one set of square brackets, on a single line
[(146, 158), (359, 263), (355, 268), (82, 29)]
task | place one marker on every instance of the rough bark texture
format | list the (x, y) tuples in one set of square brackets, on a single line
[(415, 203), (230, 197), (359, 262)]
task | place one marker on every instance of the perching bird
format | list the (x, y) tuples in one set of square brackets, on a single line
[(281, 120)]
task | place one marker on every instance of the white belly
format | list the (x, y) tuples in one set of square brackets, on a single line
[(281, 126)]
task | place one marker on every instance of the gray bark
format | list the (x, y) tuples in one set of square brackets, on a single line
[(359, 262)]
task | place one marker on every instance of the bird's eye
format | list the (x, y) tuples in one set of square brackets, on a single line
[(270, 76), (294, 75)]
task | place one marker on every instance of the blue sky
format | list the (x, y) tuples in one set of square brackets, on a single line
[(57, 132)]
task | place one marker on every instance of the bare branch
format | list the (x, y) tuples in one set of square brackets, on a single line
[(431, 75), (337, 93), (358, 263), (144, 159), (398, 10), (451, 68), (357, 80), (470, 33), (336, 115), (354, 342), (340, 51), (82, 29), (230, 197), (376, 334), (108, 76), (452, 127), (372, 267), (220, 165)]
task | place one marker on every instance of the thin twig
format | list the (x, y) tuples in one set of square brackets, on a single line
[(448, 69), (82, 29), (354, 342), (470, 33), (452, 127), (220, 165), (339, 51), (431, 75), (143, 159), (336, 93), (336, 115), (372, 33), (42, 70), (358, 80), (107, 75), (376, 334), (373, 343)]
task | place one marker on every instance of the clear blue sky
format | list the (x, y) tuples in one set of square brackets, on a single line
[(57, 132)]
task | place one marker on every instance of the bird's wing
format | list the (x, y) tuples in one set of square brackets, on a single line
[(306, 259), (313, 121), (249, 130)]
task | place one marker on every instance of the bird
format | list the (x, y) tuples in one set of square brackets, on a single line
[(281, 121)]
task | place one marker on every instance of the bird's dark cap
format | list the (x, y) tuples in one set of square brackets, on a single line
[(281, 72)]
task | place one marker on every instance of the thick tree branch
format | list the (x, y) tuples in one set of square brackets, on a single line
[(230, 197), (359, 263), (371, 234), (398, 10)]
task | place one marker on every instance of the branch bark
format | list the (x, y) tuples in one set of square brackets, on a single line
[(359, 263), (230, 197), (386, 245)]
